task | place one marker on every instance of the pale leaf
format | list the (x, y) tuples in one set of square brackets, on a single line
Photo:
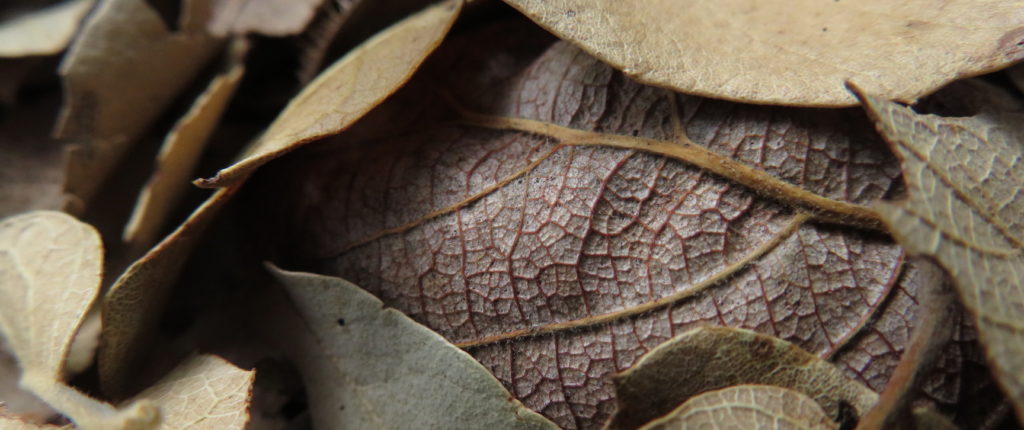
[(111, 99), (13, 424), (179, 155), (791, 52), (349, 88), (266, 17), (711, 358), (392, 372), (753, 407), (50, 269), (42, 32), (965, 209), (203, 393)]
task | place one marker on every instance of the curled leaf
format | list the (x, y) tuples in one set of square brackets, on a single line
[(349, 88), (792, 53), (390, 371), (46, 31), (50, 268), (110, 100), (754, 407), (711, 358), (964, 209)]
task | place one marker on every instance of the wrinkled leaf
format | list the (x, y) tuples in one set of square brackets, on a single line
[(45, 31), (132, 307), (964, 177), (203, 393), (110, 100), (932, 332), (349, 88), (394, 373), (266, 17), (793, 53), (566, 220), (754, 407), (50, 268), (711, 358), (180, 153)]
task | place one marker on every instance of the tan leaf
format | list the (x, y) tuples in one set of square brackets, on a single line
[(964, 209), (754, 407), (794, 53), (132, 307), (711, 358), (391, 372), (349, 88), (180, 153), (45, 31), (50, 268), (110, 100), (266, 17), (203, 393), (13, 424)]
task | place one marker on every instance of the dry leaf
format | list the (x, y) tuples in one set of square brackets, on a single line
[(203, 393), (110, 100), (754, 407), (964, 177), (793, 53), (266, 17), (132, 307), (349, 88), (32, 174), (180, 153), (13, 424), (45, 31), (391, 372), (50, 268), (716, 357), (570, 221)]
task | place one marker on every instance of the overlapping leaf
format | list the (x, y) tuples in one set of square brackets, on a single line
[(755, 407), (46, 31), (794, 53), (570, 220), (964, 177), (379, 369)]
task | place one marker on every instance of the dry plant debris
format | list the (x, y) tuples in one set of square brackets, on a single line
[(518, 214)]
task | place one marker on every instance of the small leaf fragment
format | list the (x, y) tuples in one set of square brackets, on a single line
[(45, 31), (350, 88), (203, 393), (966, 209), (710, 358), (50, 268), (111, 99), (754, 407), (392, 371), (266, 17), (792, 53)]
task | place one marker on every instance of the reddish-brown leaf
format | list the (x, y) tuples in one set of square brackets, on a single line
[(571, 219)]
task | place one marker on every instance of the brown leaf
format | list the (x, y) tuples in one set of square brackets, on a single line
[(32, 174), (755, 407), (180, 153), (572, 220), (46, 31), (50, 268), (964, 177), (712, 358), (110, 100), (266, 17), (349, 88), (794, 53), (376, 368)]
